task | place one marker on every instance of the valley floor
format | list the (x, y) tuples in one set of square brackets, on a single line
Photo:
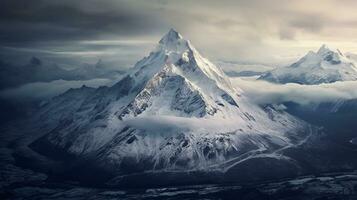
[(327, 186)]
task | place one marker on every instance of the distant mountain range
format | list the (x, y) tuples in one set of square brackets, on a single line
[(39, 71)]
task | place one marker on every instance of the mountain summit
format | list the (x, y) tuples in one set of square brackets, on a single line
[(324, 66), (173, 110), (175, 77), (171, 36)]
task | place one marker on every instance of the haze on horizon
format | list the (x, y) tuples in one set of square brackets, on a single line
[(123, 31)]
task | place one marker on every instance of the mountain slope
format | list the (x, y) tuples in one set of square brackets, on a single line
[(324, 66), (174, 110)]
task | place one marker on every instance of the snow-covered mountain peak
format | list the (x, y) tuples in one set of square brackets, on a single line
[(173, 41), (173, 45), (174, 110), (334, 56), (324, 49), (324, 66), (170, 37), (177, 74), (174, 50)]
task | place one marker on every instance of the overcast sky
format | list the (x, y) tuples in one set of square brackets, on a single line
[(122, 31)]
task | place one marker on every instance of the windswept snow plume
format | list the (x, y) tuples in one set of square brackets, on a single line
[(263, 92)]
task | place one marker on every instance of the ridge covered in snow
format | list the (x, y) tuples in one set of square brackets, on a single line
[(173, 110), (323, 66)]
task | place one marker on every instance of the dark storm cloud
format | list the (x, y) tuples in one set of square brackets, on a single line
[(237, 30), (30, 21)]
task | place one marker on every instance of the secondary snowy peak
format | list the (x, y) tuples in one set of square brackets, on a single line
[(333, 56), (326, 50), (323, 57), (324, 66), (323, 50)]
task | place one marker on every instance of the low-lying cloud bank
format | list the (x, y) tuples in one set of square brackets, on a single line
[(167, 124), (260, 92), (263, 92), (45, 90)]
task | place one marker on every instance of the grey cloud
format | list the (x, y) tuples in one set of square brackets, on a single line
[(230, 29), (36, 20), (287, 34), (309, 23)]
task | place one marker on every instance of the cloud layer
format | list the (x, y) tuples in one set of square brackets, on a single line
[(260, 92), (263, 92), (167, 124)]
